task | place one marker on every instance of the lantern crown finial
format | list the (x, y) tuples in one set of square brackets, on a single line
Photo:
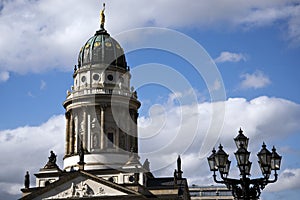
[(220, 146), (240, 131)]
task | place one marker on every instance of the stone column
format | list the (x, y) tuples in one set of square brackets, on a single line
[(135, 131), (67, 116), (102, 114), (132, 123), (84, 122), (117, 139), (71, 135), (97, 130)]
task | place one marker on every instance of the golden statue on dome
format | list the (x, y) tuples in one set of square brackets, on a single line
[(102, 17)]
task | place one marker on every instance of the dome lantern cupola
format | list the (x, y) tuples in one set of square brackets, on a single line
[(102, 49)]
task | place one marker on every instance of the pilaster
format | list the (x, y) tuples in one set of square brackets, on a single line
[(71, 135), (102, 127), (67, 116)]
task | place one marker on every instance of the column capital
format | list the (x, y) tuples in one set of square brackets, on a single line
[(103, 106)]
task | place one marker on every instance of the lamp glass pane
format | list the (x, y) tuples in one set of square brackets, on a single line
[(275, 160), (212, 164), (242, 156), (221, 157), (248, 168), (227, 167), (275, 163), (238, 159), (265, 169)]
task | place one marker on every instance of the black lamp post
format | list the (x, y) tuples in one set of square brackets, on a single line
[(244, 188)]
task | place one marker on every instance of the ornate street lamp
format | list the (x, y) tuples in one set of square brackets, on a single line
[(245, 188)]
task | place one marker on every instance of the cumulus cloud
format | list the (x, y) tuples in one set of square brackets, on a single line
[(226, 56), (293, 30), (27, 149), (269, 15), (239, 113), (40, 35), (289, 179), (255, 80)]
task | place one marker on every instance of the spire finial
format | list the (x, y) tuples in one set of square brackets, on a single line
[(240, 131), (179, 171), (102, 17), (179, 163)]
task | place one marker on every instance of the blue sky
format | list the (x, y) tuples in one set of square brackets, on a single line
[(255, 46)]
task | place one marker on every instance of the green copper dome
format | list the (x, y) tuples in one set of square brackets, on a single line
[(102, 49)]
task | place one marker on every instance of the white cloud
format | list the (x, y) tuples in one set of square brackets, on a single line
[(288, 179), (27, 149), (255, 80), (226, 56), (293, 30), (4, 76), (40, 35), (269, 15), (11, 188)]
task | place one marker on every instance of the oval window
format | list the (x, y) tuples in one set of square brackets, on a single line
[(110, 77), (96, 77)]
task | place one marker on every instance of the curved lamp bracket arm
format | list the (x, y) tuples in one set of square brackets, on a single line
[(274, 180), (262, 182), (217, 181)]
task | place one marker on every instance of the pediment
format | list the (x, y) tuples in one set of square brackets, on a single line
[(79, 186)]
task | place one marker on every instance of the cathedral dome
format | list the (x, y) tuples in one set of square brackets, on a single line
[(102, 49)]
